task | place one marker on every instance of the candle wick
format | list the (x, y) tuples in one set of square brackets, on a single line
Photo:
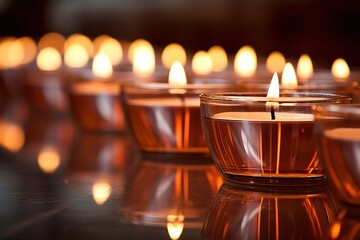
[(272, 112)]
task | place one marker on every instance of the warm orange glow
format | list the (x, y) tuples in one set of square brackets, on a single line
[(275, 62), (134, 46), (288, 78), (218, 58), (274, 89), (48, 59), (340, 68), (49, 159), (112, 48), (245, 62), (101, 192), (175, 226), (30, 49), (102, 66), (11, 53), (54, 40), (12, 136), (97, 42), (335, 230), (143, 57), (76, 56), (201, 63), (80, 39), (171, 53), (304, 67)]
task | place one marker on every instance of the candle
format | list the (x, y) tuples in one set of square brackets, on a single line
[(264, 139), (338, 136), (45, 87), (95, 102), (165, 117)]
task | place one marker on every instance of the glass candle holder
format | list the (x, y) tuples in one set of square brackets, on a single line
[(338, 137), (164, 118), (263, 213), (254, 144)]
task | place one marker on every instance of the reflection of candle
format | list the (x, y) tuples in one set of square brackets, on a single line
[(246, 142), (101, 192), (165, 117)]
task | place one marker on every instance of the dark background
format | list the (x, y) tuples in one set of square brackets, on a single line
[(324, 29)]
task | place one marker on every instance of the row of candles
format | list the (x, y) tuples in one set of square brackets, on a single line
[(249, 134), (163, 110)]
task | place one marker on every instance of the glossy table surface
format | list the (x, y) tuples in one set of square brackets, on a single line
[(99, 186)]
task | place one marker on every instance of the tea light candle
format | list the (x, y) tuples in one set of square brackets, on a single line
[(45, 88), (264, 139), (338, 138), (165, 117), (95, 102)]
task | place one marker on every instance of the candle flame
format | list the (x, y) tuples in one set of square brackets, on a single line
[(143, 57), (171, 53), (201, 63), (48, 59), (12, 53), (30, 49), (288, 78), (175, 226), (12, 136), (274, 88), (305, 68), (49, 159), (177, 75), (101, 66), (340, 68), (245, 62), (101, 192), (218, 58), (275, 62), (76, 56), (52, 39), (80, 39)]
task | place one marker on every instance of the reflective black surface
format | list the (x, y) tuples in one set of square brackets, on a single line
[(58, 182)]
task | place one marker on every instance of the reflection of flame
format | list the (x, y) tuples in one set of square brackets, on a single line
[(48, 59), (98, 41), (275, 62), (80, 39), (11, 53), (52, 39), (201, 63), (12, 137), (218, 58), (245, 62), (76, 56), (30, 49), (112, 48), (335, 230), (340, 68), (304, 68), (171, 53), (143, 57), (101, 191), (288, 78), (49, 159), (175, 226), (102, 66), (139, 43)]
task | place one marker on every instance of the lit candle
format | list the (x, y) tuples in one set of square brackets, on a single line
[(95, 101), (338, 137), (165, 116), (259, 138), (45, 87)]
